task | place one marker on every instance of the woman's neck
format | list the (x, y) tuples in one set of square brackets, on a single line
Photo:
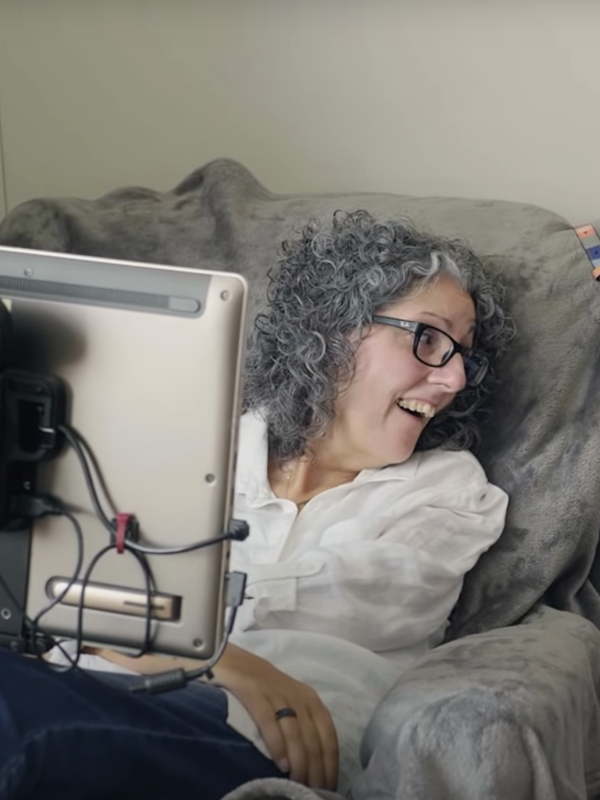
[(304, 477)]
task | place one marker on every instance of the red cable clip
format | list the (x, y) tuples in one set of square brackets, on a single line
[(122, 527)]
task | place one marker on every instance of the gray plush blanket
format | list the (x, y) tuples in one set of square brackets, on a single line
[(525, 695)]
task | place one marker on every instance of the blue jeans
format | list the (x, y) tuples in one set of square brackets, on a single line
[(76, 735)]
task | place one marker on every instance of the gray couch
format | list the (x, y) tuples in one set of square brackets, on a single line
[(509, 705)]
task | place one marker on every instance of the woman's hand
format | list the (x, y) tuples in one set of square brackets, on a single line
[(305, 746)]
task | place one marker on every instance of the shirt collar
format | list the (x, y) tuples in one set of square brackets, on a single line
[(251, 473), (394, 472)]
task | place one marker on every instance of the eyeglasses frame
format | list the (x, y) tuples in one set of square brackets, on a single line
[(417, 328)]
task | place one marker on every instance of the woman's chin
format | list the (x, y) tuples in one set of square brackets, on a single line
[(402, 450), (395, 455)]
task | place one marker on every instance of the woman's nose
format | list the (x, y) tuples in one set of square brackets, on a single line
[(452, 374)]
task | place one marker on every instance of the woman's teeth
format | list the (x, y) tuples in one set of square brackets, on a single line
[(423, 409)]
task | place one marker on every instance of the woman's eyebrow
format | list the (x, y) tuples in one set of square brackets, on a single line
[(447, 322)]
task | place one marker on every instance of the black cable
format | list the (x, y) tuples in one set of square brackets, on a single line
[(85, 452), (75, 441), (28, 621), (172, 679), (75, 575), (238, 531), (178, 549), (150, 588), (95, 467), (36, 507), (178, 678), (147, 642)]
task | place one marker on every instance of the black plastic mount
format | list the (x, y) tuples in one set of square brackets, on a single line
[(32, 408)]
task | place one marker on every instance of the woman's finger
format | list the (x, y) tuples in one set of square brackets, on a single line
[(260, 708), (291, 728), (316, 774), (327, 734)]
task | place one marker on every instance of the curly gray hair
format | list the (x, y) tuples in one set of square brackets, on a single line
[(329, 283)]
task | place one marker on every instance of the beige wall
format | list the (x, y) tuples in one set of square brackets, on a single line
[(451, 97)]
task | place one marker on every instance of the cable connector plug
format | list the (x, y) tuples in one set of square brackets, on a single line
[(162, 682), (236, 588), (238, 530), (35, 506)]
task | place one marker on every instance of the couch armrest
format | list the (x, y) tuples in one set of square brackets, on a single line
[(511, 713)]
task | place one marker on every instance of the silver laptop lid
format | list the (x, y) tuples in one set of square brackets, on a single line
[(151, 356)]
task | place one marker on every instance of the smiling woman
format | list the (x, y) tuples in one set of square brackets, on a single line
[(393, 394), (331, 285), (365, 509)]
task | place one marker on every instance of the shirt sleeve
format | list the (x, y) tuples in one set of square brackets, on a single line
[(388, 580)]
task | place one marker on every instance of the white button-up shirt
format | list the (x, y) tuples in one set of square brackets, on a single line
[(379, 561)]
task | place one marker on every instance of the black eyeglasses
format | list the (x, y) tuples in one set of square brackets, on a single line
[(434, 347)]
